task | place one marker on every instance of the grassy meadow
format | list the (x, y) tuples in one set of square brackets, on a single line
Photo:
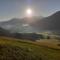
[(15, 49)]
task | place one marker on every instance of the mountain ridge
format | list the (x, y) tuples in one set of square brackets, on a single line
[(35, 24)]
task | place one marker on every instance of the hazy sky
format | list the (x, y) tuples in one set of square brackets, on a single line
[(16, 8)]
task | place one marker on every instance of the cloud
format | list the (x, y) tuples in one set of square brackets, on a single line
[(25, 25)]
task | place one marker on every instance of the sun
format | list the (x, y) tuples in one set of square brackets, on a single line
[(29, 12)]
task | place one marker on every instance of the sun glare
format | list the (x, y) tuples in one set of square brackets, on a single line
[(29, 12)]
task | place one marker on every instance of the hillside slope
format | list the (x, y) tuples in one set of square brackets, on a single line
[(50, 23), (13, 49)]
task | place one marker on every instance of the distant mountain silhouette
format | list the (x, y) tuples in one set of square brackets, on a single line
[(16, 27), (34, 24), (20, 25), (50, 23)]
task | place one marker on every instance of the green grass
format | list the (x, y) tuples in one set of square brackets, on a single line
[(13, 49)]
